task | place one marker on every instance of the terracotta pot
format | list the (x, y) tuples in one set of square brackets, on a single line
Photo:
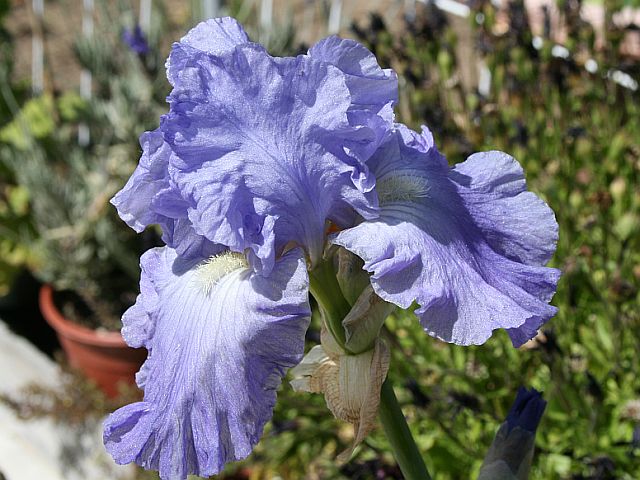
[(101, 356)]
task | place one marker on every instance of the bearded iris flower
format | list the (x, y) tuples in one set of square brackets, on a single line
[(256, 156)]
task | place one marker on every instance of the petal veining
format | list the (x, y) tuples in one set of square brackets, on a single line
[(216, 358), (467, 244), (261, 150)]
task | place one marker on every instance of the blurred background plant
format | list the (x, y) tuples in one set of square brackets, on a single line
[(59, 185), (569, 113), (13, 199), (63, 155)]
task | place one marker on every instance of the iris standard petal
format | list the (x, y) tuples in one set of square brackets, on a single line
[(374, 91), (256, 152), (149, 177), (149, 197), (216, 36), (220, 338), (448, 239), (260, 147), (371, 86)]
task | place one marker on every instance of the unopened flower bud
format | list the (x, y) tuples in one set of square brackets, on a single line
[(510, 454), (362, 324)]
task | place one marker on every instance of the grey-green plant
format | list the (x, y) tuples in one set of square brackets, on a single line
[(74, 240)]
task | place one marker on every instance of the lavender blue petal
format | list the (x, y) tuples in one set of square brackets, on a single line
[(215, 361), (216, 37), (260, 150), (150, 197), (494, 190), (371, 86), (374, 92), (256, 152), (467, 244), (149, 177)]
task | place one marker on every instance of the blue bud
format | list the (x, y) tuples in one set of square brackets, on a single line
[(527, 410), (510, 454)]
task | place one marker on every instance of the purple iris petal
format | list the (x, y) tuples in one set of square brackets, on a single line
[(492, 186), (371, 86), (467, 244), (149, 178), (527, 410), (136, 40), (261, 151), (373, 90), (219, 340), (216, 36), (261, 147)]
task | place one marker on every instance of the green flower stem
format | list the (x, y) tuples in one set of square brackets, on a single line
[(397, 431), (326, 290)]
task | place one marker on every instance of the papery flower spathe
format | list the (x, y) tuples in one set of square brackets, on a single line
[(468, 243)]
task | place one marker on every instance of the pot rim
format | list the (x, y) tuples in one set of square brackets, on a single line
[(72, 330)]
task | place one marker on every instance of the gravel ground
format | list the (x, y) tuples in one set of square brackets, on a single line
[(40, 449)]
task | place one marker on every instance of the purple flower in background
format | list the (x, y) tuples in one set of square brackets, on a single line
[(468, 243), (136, 40)]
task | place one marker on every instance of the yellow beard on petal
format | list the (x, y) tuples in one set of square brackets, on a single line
[(401, 188), (211, 271)]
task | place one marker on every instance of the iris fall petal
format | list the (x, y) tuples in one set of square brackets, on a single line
[(219, 339), (467, 244)]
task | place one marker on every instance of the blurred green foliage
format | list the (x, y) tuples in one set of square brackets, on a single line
[(13, 198), (576, 134)]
